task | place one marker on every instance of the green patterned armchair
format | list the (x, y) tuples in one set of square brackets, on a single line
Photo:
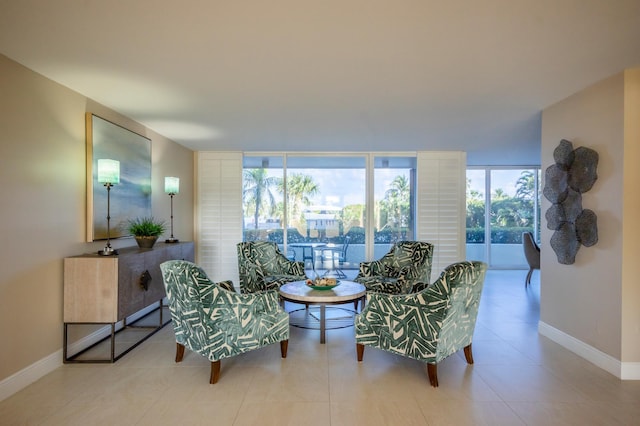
[(427, 326), (262, 266), (214, 321), (406, 268)]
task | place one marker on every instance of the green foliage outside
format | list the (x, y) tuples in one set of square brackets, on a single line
[(259, 191), (499, 235), (395, 210), (509, 216)]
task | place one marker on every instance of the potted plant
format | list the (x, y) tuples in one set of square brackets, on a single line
[(146, 230)]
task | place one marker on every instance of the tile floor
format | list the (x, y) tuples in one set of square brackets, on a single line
[(519, 378)]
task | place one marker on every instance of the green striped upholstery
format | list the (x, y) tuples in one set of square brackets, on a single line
[(262, 266), (427, 326), (215, 322), (406, 268)]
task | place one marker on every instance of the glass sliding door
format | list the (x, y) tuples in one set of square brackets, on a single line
[(502, 203), (476, 221), (262, 198), (314, 206), (394, 202), (512, 212)]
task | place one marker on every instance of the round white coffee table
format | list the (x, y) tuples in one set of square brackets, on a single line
[(345, 292)]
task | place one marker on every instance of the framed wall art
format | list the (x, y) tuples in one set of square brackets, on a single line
[(131, 196)]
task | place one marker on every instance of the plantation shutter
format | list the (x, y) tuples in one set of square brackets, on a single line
[(219, 213), (441, 206)]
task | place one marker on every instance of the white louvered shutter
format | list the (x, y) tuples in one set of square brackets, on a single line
[(219, 213), (441, 206)]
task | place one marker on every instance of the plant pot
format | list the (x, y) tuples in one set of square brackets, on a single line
[(146, 242)]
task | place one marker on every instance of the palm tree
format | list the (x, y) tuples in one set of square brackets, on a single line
[(499, 194), (256, 191), (475, 207), (525, 185), (300, 188), (397, 203)]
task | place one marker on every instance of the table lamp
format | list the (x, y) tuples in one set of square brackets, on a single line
[(108, 175), (171, 187)]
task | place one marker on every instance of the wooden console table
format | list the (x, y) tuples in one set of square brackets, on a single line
[(109, 289)]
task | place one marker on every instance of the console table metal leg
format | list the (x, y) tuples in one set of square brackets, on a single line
[(322, 322), (64, 343), (113, 342)]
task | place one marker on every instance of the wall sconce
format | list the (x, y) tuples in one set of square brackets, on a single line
[(108, 175), (171, 187)]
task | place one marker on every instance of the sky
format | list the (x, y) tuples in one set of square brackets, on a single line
[(341, 187), (504, 179)]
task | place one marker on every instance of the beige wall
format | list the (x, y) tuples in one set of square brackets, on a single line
[(631, 215), (42, 154), (584, 300)]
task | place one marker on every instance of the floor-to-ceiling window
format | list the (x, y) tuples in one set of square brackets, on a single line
[(476, 221), (315, 206), (232, 206), (502, 203), (394, 201), (262, 198), (326, 205)]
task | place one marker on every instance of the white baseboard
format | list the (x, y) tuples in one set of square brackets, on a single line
[(622, 370), (46, 365), (630, 371), (30, 374)]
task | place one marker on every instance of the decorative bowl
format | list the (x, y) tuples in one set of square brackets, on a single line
[(323, 283)]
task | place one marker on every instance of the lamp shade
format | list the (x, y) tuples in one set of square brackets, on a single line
[(108, 171), (171, 185)]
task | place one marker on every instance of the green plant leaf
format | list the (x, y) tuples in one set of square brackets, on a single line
[(146, 226)]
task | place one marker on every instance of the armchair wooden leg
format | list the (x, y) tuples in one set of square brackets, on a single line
[(527, 281), (215, 372), (467, 354), (360, 351), (284, 345), (432, 371), (179, 352)]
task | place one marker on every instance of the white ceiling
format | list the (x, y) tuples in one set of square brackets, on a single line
[(330, 75)]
